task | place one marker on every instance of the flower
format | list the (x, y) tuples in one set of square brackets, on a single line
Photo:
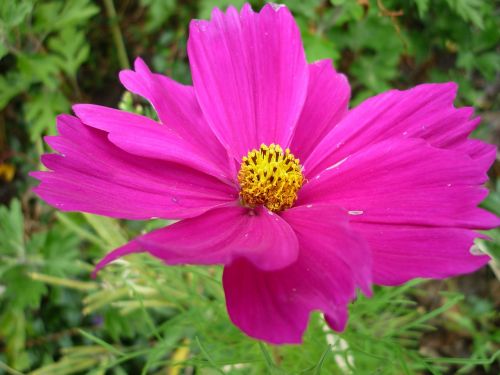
[(302, 200)]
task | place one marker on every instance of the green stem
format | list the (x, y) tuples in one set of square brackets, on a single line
[(117, 34), (9, 370), (68, 283)]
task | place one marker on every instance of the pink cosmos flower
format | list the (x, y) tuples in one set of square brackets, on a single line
[(302, 200)]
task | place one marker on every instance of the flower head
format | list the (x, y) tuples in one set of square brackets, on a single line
[(302, 200), (270, 177)]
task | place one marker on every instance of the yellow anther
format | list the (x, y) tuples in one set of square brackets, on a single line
[(270, 177)]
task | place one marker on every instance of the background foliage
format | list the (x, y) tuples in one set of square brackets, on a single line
[(140, 317)]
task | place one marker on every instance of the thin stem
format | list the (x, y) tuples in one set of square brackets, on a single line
[(9, 370), (117, 34), (68, 283)]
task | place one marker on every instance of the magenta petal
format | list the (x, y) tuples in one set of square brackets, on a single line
[(315, 223), (416, 206), (275, 306), (405, 181), (401, 253), (250, 75), (425, 111), (337, 320), (326, 104), (142, 136), (93, 175), (222, 235), (483, 153), (177, 108)]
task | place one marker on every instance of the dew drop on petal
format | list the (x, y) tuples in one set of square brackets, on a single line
[(337, 164), (356, 212), (277, 7)]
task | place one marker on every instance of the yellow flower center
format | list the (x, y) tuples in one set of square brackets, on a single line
[(270, 177)]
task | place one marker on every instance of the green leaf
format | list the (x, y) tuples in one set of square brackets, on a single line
[(22, 292), (376, 72), (207, 356), (158, 13), (40, 68), (59, 250), (70, 49), (12, 230), (469, 10), (488, 64), (13, 13), (423, 7), (3, 50), (107, 229), (13, 333), (303, 9), (349, 11), (41, 111), (56, 15), (319, 47), (12, 84)]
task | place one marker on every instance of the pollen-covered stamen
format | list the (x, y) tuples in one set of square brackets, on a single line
[(270, 177)]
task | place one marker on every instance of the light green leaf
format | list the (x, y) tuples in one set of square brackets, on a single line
[(56, 15), (70, 49), (469, 10), (12, 84), (41, 111), (107, 229), (423, 7), (12, 13)]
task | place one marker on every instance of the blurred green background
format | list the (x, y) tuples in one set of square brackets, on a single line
[(140, 317)]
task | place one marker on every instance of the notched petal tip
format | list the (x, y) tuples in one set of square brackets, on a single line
[(452, 86), (80, 109), (337, 323), (275, 6), (368, 289), (140, 66), (247, 8), (216, 13)]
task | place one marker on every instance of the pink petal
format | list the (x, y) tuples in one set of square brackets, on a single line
[(177, 108), (142, 136), (93, 175), (219, 237), (250, 75), (275, 306), (405, 181), (326, 104), (425, 111), (316, 222), (483, 153), (401, 253), (413, 203)]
